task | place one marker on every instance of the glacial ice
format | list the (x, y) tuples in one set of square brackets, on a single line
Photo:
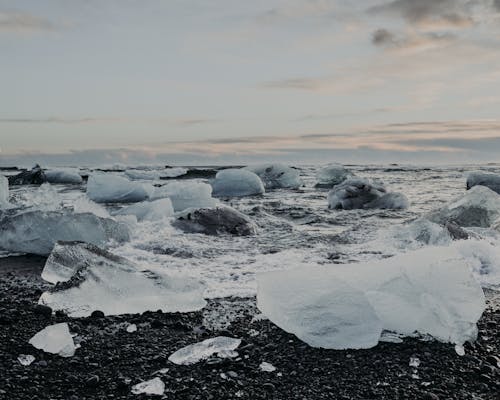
[(4, 192), (136, 174), (479, 207), (43, 198), (215, 221), (491, 181), (267, 367), (276, 176), (36, 232), (429, 291), (237, 183), (55, 339), (83, 204), (149, 210), (186, 195), (362, 193), (331, 175), (94, 279), (65, 175), (154, 386), (107, 188), (25, 359), (200, 351), (173, 172)]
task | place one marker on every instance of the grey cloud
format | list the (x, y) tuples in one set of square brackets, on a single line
[(496, 4), (383, 37), (16, 21)]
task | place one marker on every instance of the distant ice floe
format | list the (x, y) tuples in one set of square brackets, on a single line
[(360, 193), (173, 172), (64, 175), (222, 346), (186, 195), (277, 176), (94, 279), (237, 183), (149, 210), (137, 174), (431, 291), (331, 175), (55, 339), (107, 188), (491, 181), (36, 232)]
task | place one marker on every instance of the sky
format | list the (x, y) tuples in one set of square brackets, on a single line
[(223, 81)]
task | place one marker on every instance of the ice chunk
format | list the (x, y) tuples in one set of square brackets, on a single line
[(84, 205), (320, 310), (479, 207), (55, 339), (173, 172), (65, 175), (186, 195), (131, 328), (430, 291), (275, 176), (44, 198), (267, 367), (417, 233), (136, 174), (200, 351), (34, 177), (104, 188), (154, 386), (214, 221), (149, 210), (98, 280), (25, 359), (36, 232), (237, 183), (331, 175), (362, 193), (414, 362), (4, 192), (491, 181)]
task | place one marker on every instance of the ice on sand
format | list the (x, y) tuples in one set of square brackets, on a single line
[(98, 280), (276, 176), (237, 183), (154, 386), (331, 175), (429, 291), (200, 351), (149, 210), (36, 232), (55, 339), (25, 359), (186, 195), (65, 175), (267, 367), (108, 188)]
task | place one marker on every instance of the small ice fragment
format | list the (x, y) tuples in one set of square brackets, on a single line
[(162, 371), (390, 337), (460, 350), (239, 393), (253, 332), (267, 367), (154, 386), (200, 351), (55, 339), (415, 376), (132, 328), (227, 354), (425, 384), (223, 375), (414, 362), (25, 359)]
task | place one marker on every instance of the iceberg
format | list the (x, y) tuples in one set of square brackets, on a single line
[(55, 339), (237, 183), (479, 207), (4, 192), (154, 386), (276, 176), (200, 351), (136, 174), (362, 193), (215, 221), (103, 188), (90, 278), (149, 210), (36, 232), (185, 195), (491, 181), (331, 175), (66, 175), (35, 176), (429, 291)]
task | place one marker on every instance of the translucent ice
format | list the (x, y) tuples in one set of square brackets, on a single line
[(149, 210), (431, 291), (237, 183), (4, 192), (154, 386), (491, 181), (275, 176), (200, 351), (267, 367), (173, 172), (65, 175), (108, 188), (95, 279), (36, 232), (137, 174), (55, 339), (331, 175), (479, 206), (131, 328), (186, 195), (25, 359)]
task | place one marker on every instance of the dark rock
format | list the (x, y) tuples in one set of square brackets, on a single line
[(43, 310), (92, 381), (456, 232), (97, 314), (34, 177), (196, 174)]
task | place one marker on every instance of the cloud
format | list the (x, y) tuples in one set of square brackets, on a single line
[(415, 41), (22, 22)]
